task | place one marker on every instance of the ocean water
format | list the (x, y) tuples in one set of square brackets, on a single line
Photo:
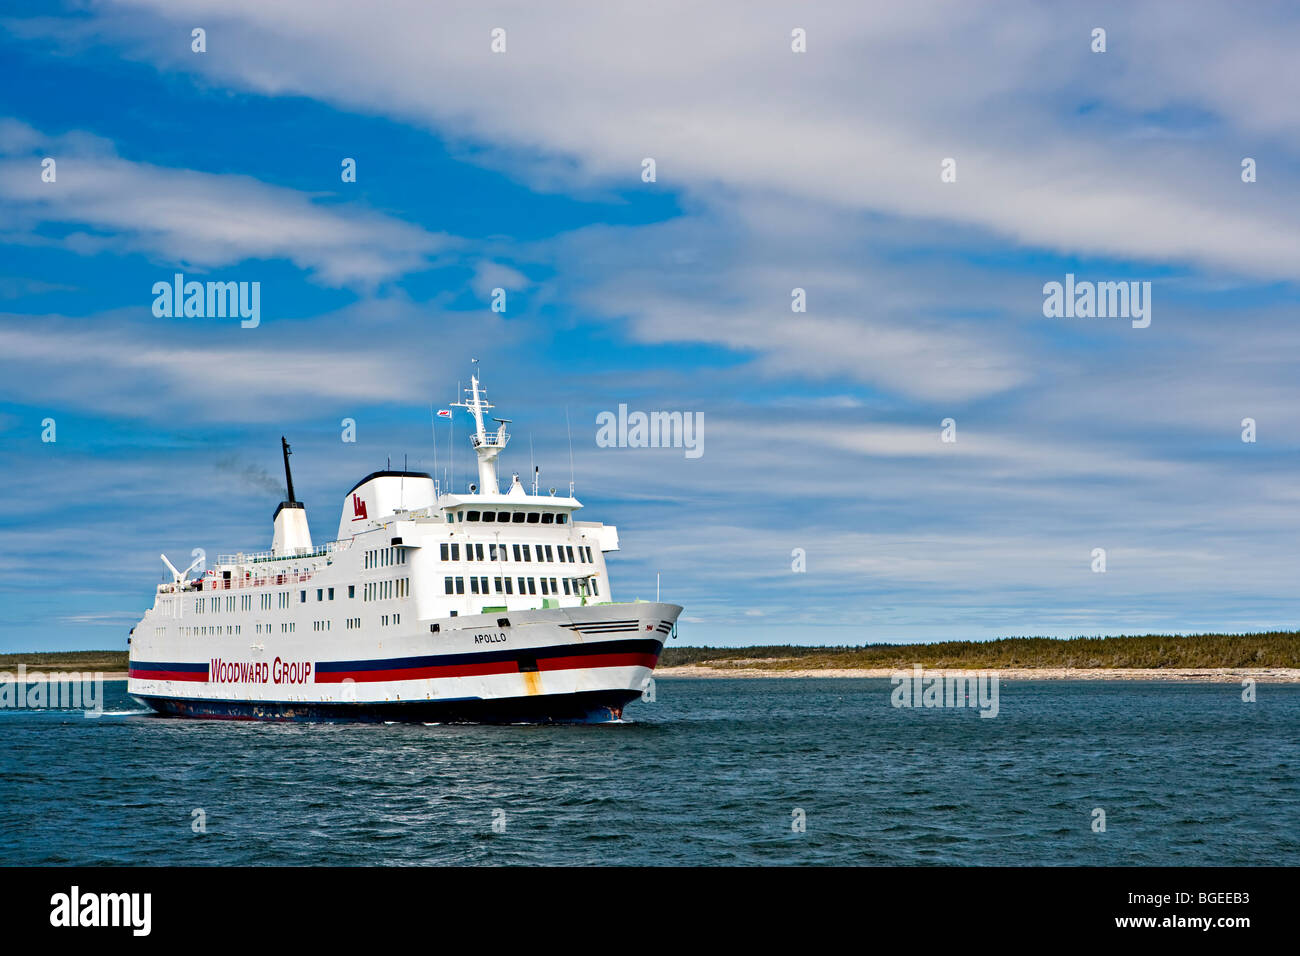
[(712, 772)]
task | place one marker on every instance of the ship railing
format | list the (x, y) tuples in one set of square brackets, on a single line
[(263, 557), (248, 581)]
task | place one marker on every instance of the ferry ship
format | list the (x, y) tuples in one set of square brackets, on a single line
[(429, 606)]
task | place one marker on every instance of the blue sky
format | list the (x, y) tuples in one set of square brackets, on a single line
[(775, 170)]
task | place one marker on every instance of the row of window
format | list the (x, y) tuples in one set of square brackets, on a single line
[(509, 517), (399, 588), (506, 585), (214, 604), (386, 590), (286, 627), (212, 630), (384, 557), (564, 553)]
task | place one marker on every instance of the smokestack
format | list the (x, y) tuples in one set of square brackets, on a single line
[(288, 477), (291, 533)]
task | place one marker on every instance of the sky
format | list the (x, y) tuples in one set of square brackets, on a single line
[(921, 171)]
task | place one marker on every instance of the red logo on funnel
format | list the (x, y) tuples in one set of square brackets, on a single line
[(358, 508)]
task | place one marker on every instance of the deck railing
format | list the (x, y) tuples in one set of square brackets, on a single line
[(263, 557)]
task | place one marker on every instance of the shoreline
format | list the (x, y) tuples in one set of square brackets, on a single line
[(40, 675), (1270, 675)]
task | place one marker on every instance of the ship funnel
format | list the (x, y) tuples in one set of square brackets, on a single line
[(292, 536)]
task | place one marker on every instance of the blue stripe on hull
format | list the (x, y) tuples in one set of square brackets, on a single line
[(585, 708)]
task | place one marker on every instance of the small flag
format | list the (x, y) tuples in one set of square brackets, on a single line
[(444, 413)]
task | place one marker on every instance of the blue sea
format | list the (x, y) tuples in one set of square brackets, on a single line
[(711, 772)]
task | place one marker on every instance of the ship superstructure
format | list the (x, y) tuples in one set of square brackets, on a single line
[(485, 606)]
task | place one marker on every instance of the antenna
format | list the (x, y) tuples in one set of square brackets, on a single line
[(433, 425), (532, 461), (288, 478), (570, 431)]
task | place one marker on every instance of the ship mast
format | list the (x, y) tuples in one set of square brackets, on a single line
[(487, 445), (288, 477)]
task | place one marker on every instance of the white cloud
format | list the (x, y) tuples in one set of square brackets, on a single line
[(201, 220), (714, 94), (369, 353)]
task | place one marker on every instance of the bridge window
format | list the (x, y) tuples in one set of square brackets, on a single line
[(471, 516), (517, 517), (503, 516), (560, 519), (547, 518), (534, 517), (489, 516)]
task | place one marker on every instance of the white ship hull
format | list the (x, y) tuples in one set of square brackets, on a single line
[(562, 664)]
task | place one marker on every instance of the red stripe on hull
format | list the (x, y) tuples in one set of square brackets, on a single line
[(494, 667), (597, 660)]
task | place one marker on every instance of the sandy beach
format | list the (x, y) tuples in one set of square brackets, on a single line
[(1271, 675)]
